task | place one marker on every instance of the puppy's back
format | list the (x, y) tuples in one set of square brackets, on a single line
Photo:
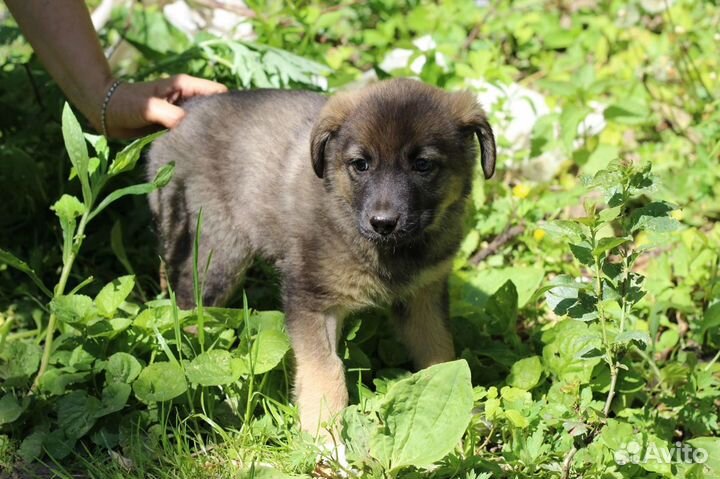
[(234, 153), (235, 124)]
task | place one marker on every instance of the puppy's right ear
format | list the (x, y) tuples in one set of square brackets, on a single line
[(321, 134), (332, 116)]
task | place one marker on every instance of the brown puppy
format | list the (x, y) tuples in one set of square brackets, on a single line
[(359, 201)]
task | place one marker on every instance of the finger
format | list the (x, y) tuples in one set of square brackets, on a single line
[(191, 86), (161, 112)]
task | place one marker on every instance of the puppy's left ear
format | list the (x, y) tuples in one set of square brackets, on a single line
[(331, 118), (471, 115)]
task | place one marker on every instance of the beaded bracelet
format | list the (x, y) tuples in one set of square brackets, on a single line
[(106, 101)]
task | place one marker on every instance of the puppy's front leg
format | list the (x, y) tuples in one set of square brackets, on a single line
[(422, 321), (320, 390)]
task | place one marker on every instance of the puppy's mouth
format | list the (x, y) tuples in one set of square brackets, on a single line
[(407, 232)]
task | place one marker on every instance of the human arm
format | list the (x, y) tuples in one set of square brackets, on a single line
[(63, 37)]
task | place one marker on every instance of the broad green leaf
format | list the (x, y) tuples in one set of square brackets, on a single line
[(114, 398), (502, 308), (640, 337), (9, 259), (564, 343), (516, 418), (10, 409), (56, 380), (628, 112), (568, 297), (161, 381), (72, 309), (20, 360), (608, 244), (566, 229), (81, 359), (122, 368), (709, 449), (159, 317), (599, 159), (58, 445), (711, 318), (424, 416), (476, 286), (268, 349), (31, 447), (526, 373), (76, 413), (129, 156), (77, 150), (654, 217), (113, 295), (213, 368)]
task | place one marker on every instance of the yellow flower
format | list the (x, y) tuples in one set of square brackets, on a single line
[(677, 214), (521, 191), (539, 234), (642, 239)]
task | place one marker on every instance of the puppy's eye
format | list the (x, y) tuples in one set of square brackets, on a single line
[(360, 164), (423, 165)]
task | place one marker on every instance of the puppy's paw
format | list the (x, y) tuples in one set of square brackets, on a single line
[(332, 462)]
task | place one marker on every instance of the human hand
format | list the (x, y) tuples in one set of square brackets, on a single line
[(136, 109)]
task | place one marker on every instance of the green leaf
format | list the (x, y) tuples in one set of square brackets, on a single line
[(213, 368), (20, 360), (268, 349), (113, 295), (711, 318), (568, 297), (55, 381), (161, 381), (628, 112), (502, 308), (564, 345), (76, 413), (129, 156), (526, 373), (161, 179), (424, 416), (570, 118), (654, 217), (709, 448), (9, 259), (640, 337), (31, 447), (10, 409), (122, 368), (566, 229), (72, 309), (68, 208), (608, 244), (77, 150), (114, 398)]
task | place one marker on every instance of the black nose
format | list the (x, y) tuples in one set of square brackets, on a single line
[(384, 223)]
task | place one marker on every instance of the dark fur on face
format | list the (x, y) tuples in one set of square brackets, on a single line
[(359, 201)]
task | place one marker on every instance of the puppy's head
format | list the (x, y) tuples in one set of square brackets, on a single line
[(399, 154)]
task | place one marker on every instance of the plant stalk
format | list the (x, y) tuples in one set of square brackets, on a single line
[(59, 290)]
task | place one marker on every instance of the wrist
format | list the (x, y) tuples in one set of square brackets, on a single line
[(105, 106)]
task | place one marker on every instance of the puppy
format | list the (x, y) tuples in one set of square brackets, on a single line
[(358, 200)]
